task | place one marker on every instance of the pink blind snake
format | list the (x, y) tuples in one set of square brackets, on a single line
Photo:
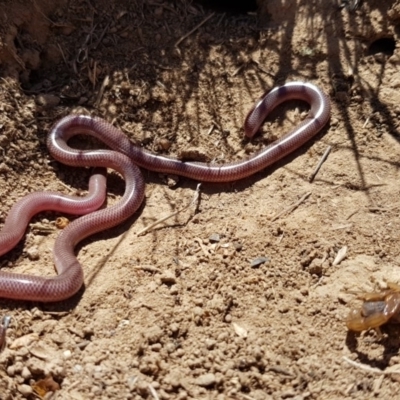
[(125, 157)]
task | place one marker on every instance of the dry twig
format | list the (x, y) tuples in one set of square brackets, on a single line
[(103, 86), (194, 201), (321, 161), (153, 392), (291, 208), (395, 369), (193, 30)]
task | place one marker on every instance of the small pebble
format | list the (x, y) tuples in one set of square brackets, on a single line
[(170, 347), (258, 261), (11, 370), (164, 143), (172, 180), (174, 290), (41, 352), (47, 100), (174, 327), (78, 368), (33, 253), (25, 390), (238, 246), (18, 367), (168, 278), (154, 334), (206, 380), (214, 238), (26, 374), (210, 344), (67, 354)]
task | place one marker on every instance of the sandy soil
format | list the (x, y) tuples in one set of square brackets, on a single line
[(174, 314)]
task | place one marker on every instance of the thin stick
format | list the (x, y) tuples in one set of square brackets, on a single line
[(194, 29), (62, 54), (352, 213), (389, 370), (291, 208), (321, 161), (366, 122), (103, 86), (153, 392), (194, 201), (245, 396)]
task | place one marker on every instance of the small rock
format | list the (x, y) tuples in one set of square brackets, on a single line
[(82, 100), (18, 367), (67, 354), (172, 180), (4, 167), (168, 278), (11, 370), (41, 352), (33, 253), (78, 368), (170, 347), (174, 327), (194, 154), (163, 144), (210, 344), (174, 290), (239, 330), (25, 390), (47, 100), (258, 261), (26, 374), (315, 267), (214, 238), (154, 334), (37, 367), (206, 380), (238, 246), (283, 309), (197, 311)]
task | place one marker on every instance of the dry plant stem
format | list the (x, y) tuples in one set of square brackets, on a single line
[(193, 30), (245, 396), (62, 54), (153, 392), (194, 201), (352, 213), (321, 161), (366, 122), (371, 369), (291, 208), (103, 86)]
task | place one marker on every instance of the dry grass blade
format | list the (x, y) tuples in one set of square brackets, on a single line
[(193, 30)]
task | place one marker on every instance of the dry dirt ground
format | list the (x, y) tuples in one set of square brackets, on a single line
[(175, 314)]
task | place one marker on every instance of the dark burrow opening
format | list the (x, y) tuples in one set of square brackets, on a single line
[(382, 45), (229, 6)]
